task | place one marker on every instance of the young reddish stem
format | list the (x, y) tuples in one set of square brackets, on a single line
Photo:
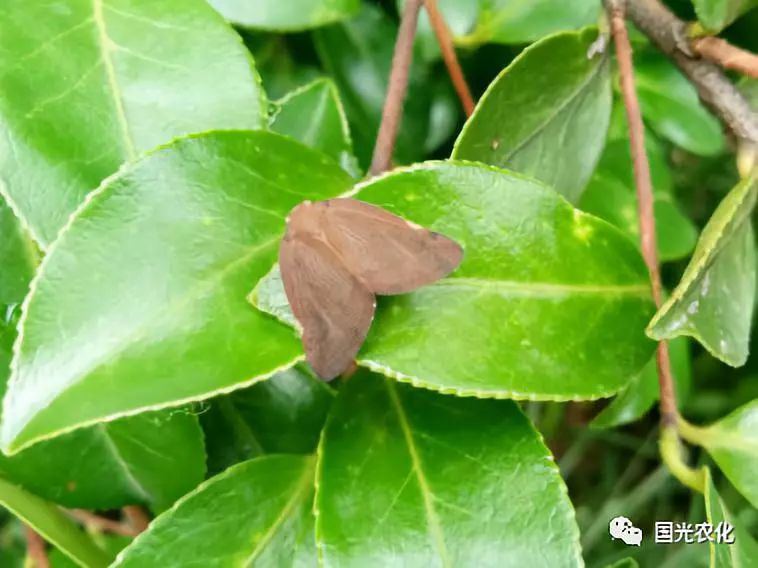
[(726, 55), (398, 85), (643, 183), (445, 41), (35, 548)]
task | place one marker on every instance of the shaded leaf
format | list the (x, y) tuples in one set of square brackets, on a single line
[(611, 195), (523, 21), (743, 553), (713, 301), (164, 255), (313, 115), (642, 393), (715, 15), (546, 114), (50, 522), (18, 257), (283, 414), (671, 106), (358, 55), (533, 269), (414, 478), (732, 442), (292, 15), (111, 79), (624, 563), (257, 513)]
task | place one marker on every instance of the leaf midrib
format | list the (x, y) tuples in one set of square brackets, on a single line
[(110, 73), (545, 288)]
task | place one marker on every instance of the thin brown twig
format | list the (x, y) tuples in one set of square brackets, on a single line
[(726, 55), (35, 549), (398, 85), (643, 183), (103, 523), (136, 517), (669, 33), (445, 41)]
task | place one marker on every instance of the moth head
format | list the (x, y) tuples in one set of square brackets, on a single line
[(305, 218)]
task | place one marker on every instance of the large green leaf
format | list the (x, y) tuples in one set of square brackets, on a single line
[(545, 115), (523, 21), (89, 84), (141, 302), (611, 196), (714, 299), (152, 458), (257, 513), (715, 15), (743, 552), (533, 269), (733, 444), (50, 522), (313, 114), (407, 477), (670, 105), (18, 257), (291, 15), (642, 393), (358, 55), (283, 414)]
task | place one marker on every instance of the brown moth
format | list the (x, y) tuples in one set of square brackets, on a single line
[(336, 255)]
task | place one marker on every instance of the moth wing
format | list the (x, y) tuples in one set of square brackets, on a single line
[(389, 254), (334, 309)]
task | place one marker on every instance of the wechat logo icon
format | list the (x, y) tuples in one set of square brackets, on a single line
[(623, 529)]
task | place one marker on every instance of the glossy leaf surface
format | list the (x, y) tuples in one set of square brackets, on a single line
[(292, 15), (533, 269), (715, 15), (257, 513), (164, 255), (18, 257), (714, 299), (112, 78), (407, 477), (545, 115)]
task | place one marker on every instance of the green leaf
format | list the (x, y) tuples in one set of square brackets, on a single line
[(732, 442), (715, 15), (625, 563), (164, 254), (414, 478), (642, 393), (523, 21), (313, 115), (533, 269), (546, 114), (611, 195), (358, 55), (671, 106), (50, 522), (460, 18), (109, 80), (292, 15), (714, 299), (153, 458), (19, 257), (257, 513), (744, 551), (283, 414)]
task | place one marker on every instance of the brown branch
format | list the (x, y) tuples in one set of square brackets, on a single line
[(726, 55), (35, 549), (445, 41), (669, 33), (644, 187), (398, 85), (103, 523), (136, 517)]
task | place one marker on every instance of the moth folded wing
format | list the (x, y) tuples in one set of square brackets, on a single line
[(389, 254), (334, 309)]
